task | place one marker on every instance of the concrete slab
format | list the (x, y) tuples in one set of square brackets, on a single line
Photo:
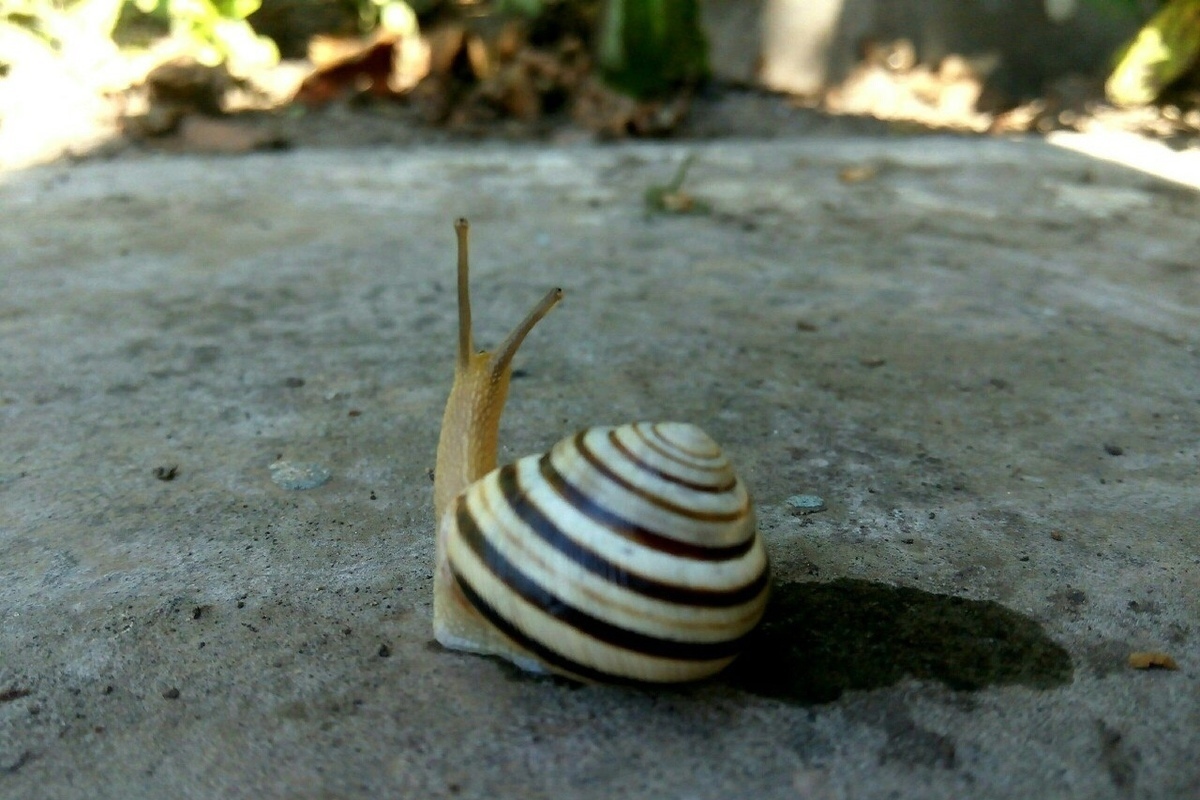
[(981, 355)]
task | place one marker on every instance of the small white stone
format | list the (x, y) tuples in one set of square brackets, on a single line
[(298, 476)]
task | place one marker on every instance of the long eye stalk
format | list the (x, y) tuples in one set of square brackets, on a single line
[(468, 443)]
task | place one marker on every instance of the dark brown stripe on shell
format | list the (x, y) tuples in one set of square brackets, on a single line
[(548, 656), (549, 532), (546, 601), (633, 532), (599, 465), (708, 488)]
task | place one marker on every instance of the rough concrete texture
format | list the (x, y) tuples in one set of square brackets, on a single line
[(983, 355)]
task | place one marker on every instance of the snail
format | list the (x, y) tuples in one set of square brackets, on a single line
[(624, 554)]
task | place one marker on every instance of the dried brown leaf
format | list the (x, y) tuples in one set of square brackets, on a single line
[(1152, 659)]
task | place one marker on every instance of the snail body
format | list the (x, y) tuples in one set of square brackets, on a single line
[(623, 554)]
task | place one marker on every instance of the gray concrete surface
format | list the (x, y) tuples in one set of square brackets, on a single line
[(982, 354)]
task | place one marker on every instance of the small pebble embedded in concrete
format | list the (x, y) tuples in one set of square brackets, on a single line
[(166, 473), (298, 476), (806, 503)]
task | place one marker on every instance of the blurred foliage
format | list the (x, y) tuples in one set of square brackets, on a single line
[(1166, 48), (33, 29), (215, 31), (53, 21), (1163, 50), (523, 8), (644, 48), (649, 47), (395, 16), (28, 17), (211, 31), (1128, 6)]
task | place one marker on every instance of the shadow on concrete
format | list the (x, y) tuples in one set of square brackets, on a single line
[(820, 639), (1044, 50)]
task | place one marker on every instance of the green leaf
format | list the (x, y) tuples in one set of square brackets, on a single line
[(1163, 50), (648, 47)]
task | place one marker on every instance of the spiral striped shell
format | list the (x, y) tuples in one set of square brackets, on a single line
[(622, 554)]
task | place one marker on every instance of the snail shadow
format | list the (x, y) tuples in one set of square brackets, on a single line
[(819, 640)]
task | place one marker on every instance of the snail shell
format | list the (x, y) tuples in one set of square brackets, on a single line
[(626, 553)]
